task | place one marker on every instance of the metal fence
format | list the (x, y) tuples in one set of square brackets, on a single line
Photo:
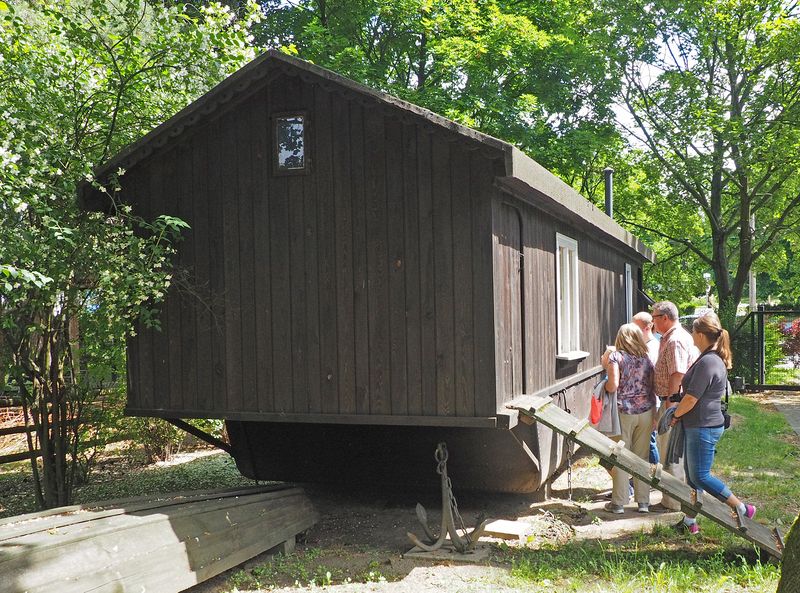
[(766, 345)]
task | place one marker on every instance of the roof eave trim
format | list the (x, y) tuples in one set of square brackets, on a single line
[(563, 197)]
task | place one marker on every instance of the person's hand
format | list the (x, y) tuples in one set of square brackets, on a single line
[(604, 358)]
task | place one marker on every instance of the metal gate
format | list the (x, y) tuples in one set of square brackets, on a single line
[(766, 348)]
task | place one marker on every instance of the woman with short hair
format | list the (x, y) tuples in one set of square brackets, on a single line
[(700, 413), (630, 374)]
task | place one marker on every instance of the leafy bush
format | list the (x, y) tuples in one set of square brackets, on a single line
[(791, 340)]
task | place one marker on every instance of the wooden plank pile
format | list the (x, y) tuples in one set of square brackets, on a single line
[(545, 411), (148, 545)]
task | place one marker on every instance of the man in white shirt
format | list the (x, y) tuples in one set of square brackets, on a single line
[(645, 322)]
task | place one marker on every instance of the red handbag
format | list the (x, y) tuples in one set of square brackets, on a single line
[(596, 412)]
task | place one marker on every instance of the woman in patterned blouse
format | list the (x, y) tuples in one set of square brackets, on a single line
[(630, 374)]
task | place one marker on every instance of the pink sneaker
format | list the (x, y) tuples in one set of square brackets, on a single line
[(749, 511), (692, 529)]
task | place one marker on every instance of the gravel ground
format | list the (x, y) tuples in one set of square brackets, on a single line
[(363, 537)]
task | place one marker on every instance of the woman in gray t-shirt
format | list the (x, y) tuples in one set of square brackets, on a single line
[(700, 412)]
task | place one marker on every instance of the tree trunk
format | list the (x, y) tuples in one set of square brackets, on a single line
[(790, 567)]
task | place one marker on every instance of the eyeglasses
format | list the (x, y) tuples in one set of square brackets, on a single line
[(659, 315)]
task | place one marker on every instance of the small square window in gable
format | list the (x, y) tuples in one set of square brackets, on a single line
[(290, 143)]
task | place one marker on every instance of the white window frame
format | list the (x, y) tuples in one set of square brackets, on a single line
[(628, 293), (567, 299)]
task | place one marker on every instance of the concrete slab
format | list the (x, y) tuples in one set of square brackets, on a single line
[(507, 529), (479, 554)]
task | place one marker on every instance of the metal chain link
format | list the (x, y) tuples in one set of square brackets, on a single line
[(441, 458), (569, 468), (568, 443)]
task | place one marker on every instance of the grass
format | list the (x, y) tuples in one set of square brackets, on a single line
[(759, 459), (309, 567), (641, 564), (119, 477)]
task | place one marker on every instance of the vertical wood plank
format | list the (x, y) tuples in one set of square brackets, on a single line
[(377, 268), (502, 322), (326, 254), (360, 248), (481, 192), (311, 266), (444, 287), (280, 269), (201, 233), (298, 295), (398, 382), (427, 272), (217, 251), (158, 337), (412, 271), (172, 397), (140, 194), (262, 285), (345, 323), (187, 302), (463, 282), (231, 263), (246, 165)]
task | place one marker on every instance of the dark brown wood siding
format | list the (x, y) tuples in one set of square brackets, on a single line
[(361, 288), (525, 299)]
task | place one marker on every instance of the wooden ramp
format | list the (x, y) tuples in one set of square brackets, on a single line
[(159, 544), (545, 411)]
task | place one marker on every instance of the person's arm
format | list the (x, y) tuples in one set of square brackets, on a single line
[(674, 387), (687, 403), (613, 377)]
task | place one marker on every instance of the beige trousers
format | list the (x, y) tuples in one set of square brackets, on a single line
[(675, 469), (636, 429)]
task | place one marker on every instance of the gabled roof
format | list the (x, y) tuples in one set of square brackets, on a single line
[(524, 178)]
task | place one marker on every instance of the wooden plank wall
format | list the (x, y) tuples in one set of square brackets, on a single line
[(602, 294), (362, 288)]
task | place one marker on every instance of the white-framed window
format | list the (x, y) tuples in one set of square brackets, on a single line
[(568, 299), (628, 293)]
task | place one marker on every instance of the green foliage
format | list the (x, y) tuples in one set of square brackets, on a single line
[(78, 81), (525, 72), (643, 564), (711, 89), (160, 439)]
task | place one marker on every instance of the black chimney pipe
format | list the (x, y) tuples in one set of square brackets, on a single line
[(609, 174)]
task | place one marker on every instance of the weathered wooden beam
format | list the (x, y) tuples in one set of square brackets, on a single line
[(16, 430), (161, 545), (19, 456)]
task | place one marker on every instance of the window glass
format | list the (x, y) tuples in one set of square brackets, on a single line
[(290, 142), (567, 294)]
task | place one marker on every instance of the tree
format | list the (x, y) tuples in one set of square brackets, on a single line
[(77, 82), (525, 72), (712, 92)]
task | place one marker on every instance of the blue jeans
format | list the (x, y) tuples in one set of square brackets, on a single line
[(654, 456), (701, 444)]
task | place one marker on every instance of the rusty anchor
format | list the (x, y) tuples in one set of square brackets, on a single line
[(461, 543)]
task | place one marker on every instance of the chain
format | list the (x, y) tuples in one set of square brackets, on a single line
[(441, 458), (569, 444), (569, 468)]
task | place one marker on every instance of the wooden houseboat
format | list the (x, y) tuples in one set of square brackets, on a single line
[(370, 279)]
